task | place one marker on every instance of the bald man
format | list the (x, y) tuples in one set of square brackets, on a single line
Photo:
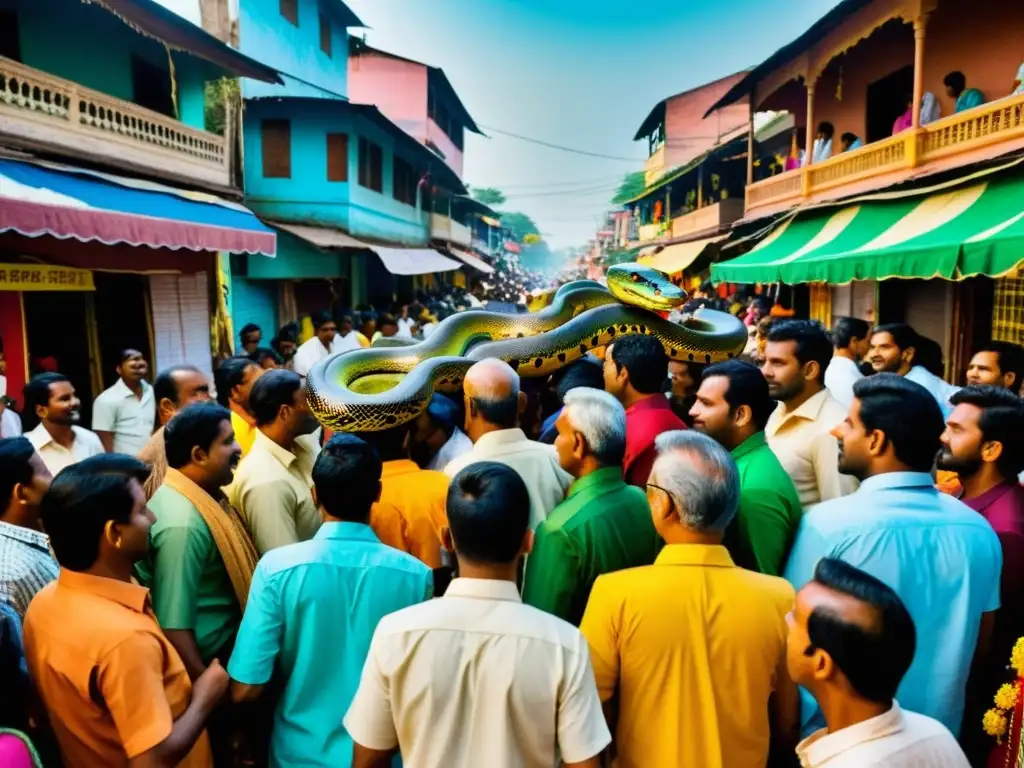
[(493, 404)]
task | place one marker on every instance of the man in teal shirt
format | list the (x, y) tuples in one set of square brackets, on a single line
[(314, 606), (956, 88), (603, 525), (733, 406)]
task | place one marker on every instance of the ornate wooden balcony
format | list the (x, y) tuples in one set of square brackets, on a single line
[(38, 110)]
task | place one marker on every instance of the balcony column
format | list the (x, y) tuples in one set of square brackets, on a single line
[(809, 141), (920, 27), (750, 137)]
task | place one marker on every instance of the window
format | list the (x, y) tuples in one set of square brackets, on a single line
[(277, 149), (405, 182), (151, 87), (290, 10), (337, 157), (10, 41), (325, 35), (371, 166), (451, 127)]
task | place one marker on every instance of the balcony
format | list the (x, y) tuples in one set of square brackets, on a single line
[(654, 166), (443, 228), (710, 218), (946, 143), (648, 232), (40, 110)]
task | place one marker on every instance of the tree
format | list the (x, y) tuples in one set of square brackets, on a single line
[(632, 185), (488, 195), (217, 93), (520, 224)]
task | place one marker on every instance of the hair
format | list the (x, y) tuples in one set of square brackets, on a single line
[(166, 387), (248, 329), (906, 413), (955, 80), (388, 443), (265, 353), (15, 455), (601, 419), (928, 354), (126, 354), (387, 320), (1011, 359), (746, 387), (873, 658), (320, 319), (37, 391), (848, 137), (584, 372), (271, 391), (1002, 421), (700, 476), (196, 425), (645, 359), (812, 341), (846, 329), (826, 128), (82, 499), (902, 334), (230, 374), (494, 405), (347, 478), (488, 512), (288, 332)]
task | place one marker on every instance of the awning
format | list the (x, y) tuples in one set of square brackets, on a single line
[(69, 203), (414, 261), (951, 234), (673, 259), (324, 237), (472, 260)]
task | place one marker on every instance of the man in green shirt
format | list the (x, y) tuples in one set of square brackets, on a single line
[(603, 525), (733, 406)]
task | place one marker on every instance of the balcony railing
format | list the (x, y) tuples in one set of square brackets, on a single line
[(443, 228), (648, 232), (710, 217), (990, 124), (37, 108)]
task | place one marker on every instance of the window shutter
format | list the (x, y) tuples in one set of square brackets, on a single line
[(181, 321), (337, 157), (276, 137), (325, 35)]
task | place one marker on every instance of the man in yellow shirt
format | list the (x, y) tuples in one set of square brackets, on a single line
[(234, 378), (694, 645)]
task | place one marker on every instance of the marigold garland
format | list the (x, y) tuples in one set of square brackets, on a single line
[(1006, 696), (995, 724), (996, 720), (1017, 657)]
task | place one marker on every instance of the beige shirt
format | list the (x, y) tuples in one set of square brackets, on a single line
[(810, 455), (897, 739), (130, 418), (271, 491), (537, 463), (477, 678), (55, 456)]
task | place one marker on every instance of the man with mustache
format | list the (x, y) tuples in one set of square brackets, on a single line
[(123, 416), (58, 439)]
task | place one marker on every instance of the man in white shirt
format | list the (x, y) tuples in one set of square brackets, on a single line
[(124, 415), (476, 677), (58, 439), (493, 403), (436, 440), (895, 348), (822, 149), (326, 342), (851, 640), (852, 339)]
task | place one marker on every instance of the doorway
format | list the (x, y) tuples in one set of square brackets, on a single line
[(55, 327), (887, 100)]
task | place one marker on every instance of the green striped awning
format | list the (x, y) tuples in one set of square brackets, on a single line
[(976, 229)]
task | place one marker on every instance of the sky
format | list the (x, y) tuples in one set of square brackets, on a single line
[(577, 73)]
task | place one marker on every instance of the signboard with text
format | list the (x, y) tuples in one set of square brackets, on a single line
[(44, 277)]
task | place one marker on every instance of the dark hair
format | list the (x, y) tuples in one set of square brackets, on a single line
[(1011, 359), (196, 425), (229, 374), (873, 657), (347, 477), (846, 329), (903, 336), (955, 80), (320, 319), (389, 443), (746, 387), (247, 329), (501, 412), (826, 128), (906, 413), (488, 512), (584, 372), (387, 320), (812, 341), (928, 354), (272, 390), (15, 455), (165, 385), (848, 137), (265, 353), (288, 332), (1002, 421), (128, 353), (645, 359), (444, 413), (82, 499), (37, 391)]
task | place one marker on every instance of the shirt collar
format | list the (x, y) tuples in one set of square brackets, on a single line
[(36, 539), (752, 443), (502, 437), (657, 402), (122, 389), (484, 589), (283, 455), (989, 497), (345, 530), (712, 555), (599, 477), (40, 436), (891, 480), (808, 409), (129, 595), (821, 746), (399, 467)]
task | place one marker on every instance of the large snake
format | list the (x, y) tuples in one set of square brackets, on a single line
[(582, 316)]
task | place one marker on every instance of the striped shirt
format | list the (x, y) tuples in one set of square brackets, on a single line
[(26, 565)]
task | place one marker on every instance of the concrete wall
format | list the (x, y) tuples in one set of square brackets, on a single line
[(296, 259), (452, 154), (397, 88), (688, 133)]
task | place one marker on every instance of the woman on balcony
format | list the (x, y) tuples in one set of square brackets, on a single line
[(956, 88)]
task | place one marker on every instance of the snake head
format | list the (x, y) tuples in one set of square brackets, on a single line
[(645, 287)]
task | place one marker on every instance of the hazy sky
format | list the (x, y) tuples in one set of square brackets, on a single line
[(579, 73)]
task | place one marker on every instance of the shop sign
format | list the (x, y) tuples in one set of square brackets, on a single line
[(44, 277)]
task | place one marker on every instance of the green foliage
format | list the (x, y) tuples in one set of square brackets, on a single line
[(520, 224), (632, 185), (488, 195), (217, 93)]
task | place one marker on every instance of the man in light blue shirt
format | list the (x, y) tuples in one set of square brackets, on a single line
[(898, 348), (313, 608), (942, 558)]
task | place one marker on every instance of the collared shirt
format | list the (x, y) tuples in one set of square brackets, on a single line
[(87, 635), (26, 565), (941, 557), (186, 575), (313, 351), (603, 525), (535, 462), (941, 390), (130, 418), (810, 455), (272, 492), (411, 512), (10, 424), (896, 739), (245, 432), (455, 446), (644, 422), (55, 456), (478, 678), (840, 376), (690, 634), (334, 588), (763, 530)]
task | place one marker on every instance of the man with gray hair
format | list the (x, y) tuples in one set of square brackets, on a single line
[(693, 632), (493, 403), (604, 525)]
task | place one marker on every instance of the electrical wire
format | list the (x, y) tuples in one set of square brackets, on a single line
[(561, 147)]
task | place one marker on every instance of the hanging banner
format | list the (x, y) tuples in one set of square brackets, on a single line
[(44, 277)]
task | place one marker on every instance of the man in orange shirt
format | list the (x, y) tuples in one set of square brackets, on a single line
[(411, 510), (116, 691)]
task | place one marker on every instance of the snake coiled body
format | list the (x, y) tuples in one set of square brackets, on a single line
[(583, 316)]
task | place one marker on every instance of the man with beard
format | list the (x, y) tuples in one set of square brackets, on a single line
[(896, 348), (123, 416), (940, 556), (58, 439), (999, 364), (273, 482)]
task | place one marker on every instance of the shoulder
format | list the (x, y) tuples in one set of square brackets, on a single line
[(173, 510), (433, 480), (774, 588), (87, 436), (108, 397)]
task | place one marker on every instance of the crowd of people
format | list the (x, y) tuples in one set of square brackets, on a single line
[(637, 562)]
